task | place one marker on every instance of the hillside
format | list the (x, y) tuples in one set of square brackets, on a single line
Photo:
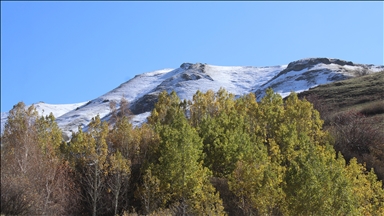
[(364, 94), (353, 111), (141, 91)]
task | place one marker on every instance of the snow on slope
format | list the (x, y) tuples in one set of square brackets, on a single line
[(45, 109), (312, 76), (142, 90), (235, 79), (130, 90), (185, 80), (56, 109)]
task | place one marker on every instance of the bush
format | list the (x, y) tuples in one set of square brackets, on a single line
[(14, 197), (320, 105), (358, 136), (361, 72), (373, 109)]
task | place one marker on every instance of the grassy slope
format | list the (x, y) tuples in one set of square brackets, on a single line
[(360, 94)]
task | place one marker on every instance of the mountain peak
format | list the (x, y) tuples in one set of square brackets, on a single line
[(197, 66)]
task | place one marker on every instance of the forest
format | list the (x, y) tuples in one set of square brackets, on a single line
[(215, 154)]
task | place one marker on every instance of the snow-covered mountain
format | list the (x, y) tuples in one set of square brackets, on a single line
[(142, 90), (45, 109)]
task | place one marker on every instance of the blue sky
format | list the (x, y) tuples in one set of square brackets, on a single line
[(70, 52)]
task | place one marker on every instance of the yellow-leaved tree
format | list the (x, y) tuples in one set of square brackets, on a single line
[(88, 153), (293, 168)]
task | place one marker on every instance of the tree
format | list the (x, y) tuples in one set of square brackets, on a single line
[(257, 179), (124, 108), (183, 181), (20, 135), (121, 138), (225, 142), (316, 184), (222, 127), (149, 192), (88, 154), (35, 179), (366, 189), (165, 108), (291, 168), (118, 179)]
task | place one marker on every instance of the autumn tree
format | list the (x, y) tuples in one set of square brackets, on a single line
[(366, 189), (88, 154), (35, 179), (270, 157), (119, 172), (293, 169)]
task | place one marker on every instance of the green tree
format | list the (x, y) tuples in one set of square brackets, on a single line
[(123, 150), (316, 184), (183, 181), (165, 108), (225, 142), (49, 135), (225, 136), (257, 184), (121, 139), (257, 179)]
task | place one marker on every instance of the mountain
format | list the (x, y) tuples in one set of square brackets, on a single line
[(45, 109), (142, 90)]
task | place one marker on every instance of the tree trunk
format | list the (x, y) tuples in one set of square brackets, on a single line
[(95, 191), (117, 192)]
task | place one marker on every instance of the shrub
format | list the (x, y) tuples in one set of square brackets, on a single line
[(357, 135), (361, 72), (373, 108)]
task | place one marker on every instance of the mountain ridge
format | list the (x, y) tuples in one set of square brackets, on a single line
[(142, 90)]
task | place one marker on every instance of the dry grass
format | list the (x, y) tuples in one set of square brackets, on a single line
[(364, 94)]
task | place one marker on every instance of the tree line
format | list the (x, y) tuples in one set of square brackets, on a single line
[(212, 155)]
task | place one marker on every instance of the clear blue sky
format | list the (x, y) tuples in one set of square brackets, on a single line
[(70, 52)]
